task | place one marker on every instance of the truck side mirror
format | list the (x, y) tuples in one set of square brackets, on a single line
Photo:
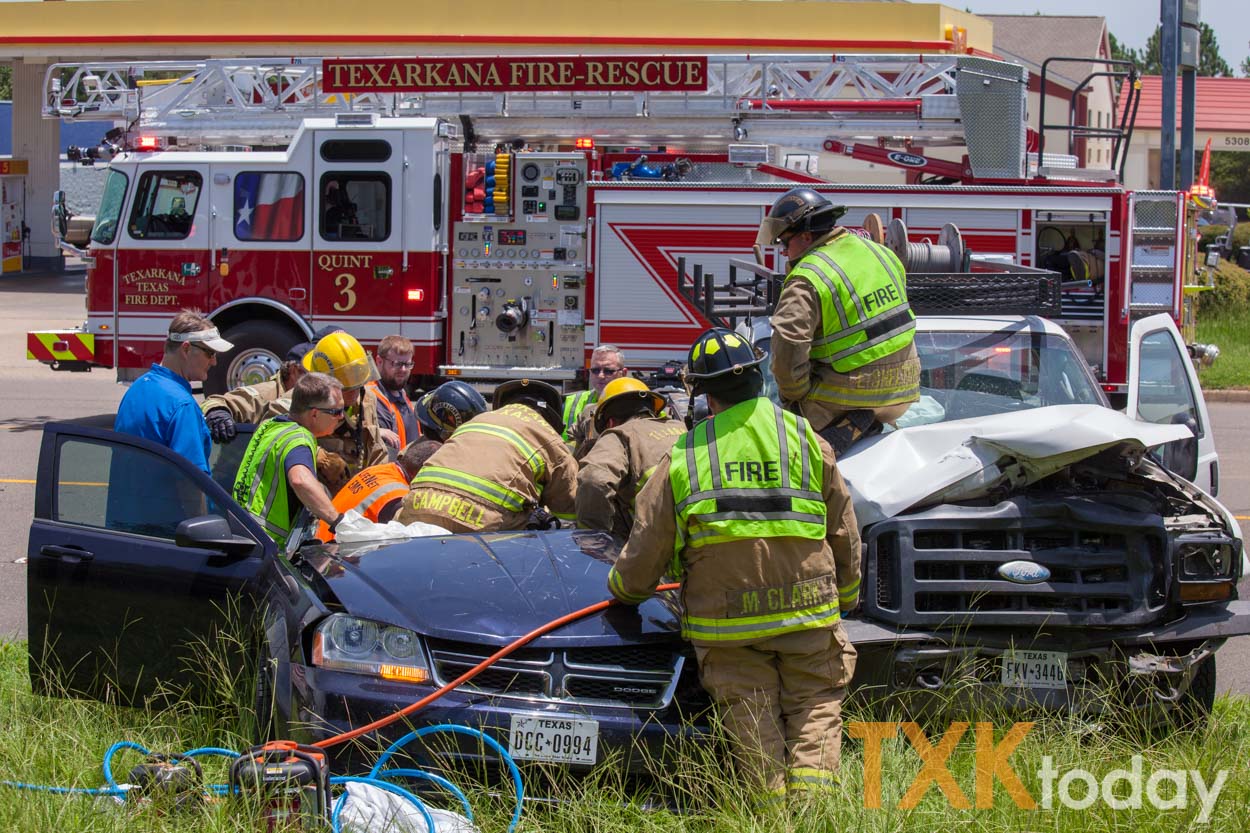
[(60, 215)]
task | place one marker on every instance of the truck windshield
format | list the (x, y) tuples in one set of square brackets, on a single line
[(105, 228), (974, 374)]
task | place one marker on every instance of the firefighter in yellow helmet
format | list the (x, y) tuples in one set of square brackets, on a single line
[(632, 439), (356, 444), (842, 348), (751, 513)]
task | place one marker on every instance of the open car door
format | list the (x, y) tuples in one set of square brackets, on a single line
[(1163, 388), (136, 558)]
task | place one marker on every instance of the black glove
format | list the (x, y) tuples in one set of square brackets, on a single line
[(220, 425), (540, 518)]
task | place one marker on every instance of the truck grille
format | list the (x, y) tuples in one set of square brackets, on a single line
[(622, 676), (1108, 566)]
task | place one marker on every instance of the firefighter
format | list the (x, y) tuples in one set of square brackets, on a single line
[(377, 492), (356, 443), (607, 362), (397, 421), (250, 403), (750, 510), (277, 475), (500, 467), (842, 348), (632, 439), (441, 411)]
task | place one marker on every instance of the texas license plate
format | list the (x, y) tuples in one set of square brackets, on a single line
[(559, 740), (1035, 669)]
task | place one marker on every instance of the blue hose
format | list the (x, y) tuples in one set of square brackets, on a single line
[(448, 728), (211, 750), (43, 788), (113, 750), (429, 776), (380, 784)]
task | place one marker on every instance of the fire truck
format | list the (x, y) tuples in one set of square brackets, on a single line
[(507, 214)]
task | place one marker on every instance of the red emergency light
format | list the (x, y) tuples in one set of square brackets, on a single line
[(584, 143), (416, 294), (149, 143)]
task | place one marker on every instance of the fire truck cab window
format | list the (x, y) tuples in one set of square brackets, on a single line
[(165, 204), (355, 206), (356, 150), (105, 229)]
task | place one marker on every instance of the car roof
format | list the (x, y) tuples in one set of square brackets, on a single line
[(988, 324)]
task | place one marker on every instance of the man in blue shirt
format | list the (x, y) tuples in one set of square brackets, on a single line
[(159, 405)]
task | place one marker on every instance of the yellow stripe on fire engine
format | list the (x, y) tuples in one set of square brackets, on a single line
[(84, 346)]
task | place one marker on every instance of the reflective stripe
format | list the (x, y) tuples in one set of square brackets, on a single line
[(848, 594), (822, 392), (384, 495), (616, 585), (807, 778), (472, 484), (856, 338), (753, 442), (756, 627), (260, 485), (531, 455), (574, 404), (396, 414)]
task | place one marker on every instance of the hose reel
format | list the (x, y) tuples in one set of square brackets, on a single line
[(948, 254)]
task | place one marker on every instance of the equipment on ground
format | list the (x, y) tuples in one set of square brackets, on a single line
[(290, 780)]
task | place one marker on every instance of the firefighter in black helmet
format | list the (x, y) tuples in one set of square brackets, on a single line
[(842, 348), (750, 510)]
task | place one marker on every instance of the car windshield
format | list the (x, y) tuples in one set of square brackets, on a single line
[(974, 374), (110, 209)]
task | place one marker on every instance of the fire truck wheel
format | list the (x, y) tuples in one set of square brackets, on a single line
[(257, 355)]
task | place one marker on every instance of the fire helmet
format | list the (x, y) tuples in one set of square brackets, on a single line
[(798, 210), (721, 359), (620, 396), (540, 396), (450, 405), (341, 356)]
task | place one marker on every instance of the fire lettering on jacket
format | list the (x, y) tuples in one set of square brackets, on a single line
[(781, 598)]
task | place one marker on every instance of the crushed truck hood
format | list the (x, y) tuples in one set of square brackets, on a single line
[(968, 458)]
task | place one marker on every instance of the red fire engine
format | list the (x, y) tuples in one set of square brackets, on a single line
[(449, 201)]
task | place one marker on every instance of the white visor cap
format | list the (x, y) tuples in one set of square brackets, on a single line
[(210, 338)]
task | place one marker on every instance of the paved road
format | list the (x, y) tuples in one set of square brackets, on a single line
[(32, 395)]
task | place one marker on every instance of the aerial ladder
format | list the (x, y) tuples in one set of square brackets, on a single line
[(810, 102)]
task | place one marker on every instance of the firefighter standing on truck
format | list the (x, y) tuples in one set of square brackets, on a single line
[(752, 513), (499, 467), (843, 332), (632, 439)]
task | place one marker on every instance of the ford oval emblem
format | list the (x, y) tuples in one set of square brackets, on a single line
[(1023, 572), (909, 160)]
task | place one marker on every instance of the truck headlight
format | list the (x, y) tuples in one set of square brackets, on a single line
[(349, 643), (1209, 560)]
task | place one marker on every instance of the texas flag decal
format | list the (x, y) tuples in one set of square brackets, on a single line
[(269, 206)]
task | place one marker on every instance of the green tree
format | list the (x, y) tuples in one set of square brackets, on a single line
[(6, 83), (1245, 67), (1210, 62), (1120, 52)]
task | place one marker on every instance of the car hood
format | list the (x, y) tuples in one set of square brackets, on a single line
[(493, 588), (969, 458)]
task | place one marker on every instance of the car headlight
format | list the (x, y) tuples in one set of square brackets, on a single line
[(349, 643)]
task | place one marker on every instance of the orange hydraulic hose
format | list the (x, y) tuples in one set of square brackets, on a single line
[(475, 670)]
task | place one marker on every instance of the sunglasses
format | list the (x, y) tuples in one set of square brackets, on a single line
[(605, 371), (208, 351), (334, 412)]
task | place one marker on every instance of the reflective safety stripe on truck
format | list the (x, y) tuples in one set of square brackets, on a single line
[(54, 345)]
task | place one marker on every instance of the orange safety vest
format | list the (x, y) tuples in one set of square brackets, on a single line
[(395, 412), (368, 493)]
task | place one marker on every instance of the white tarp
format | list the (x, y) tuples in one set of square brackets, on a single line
[(964, 459)]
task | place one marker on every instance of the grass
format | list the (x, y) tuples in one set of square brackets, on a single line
[(1232, 333), (60, 742)]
